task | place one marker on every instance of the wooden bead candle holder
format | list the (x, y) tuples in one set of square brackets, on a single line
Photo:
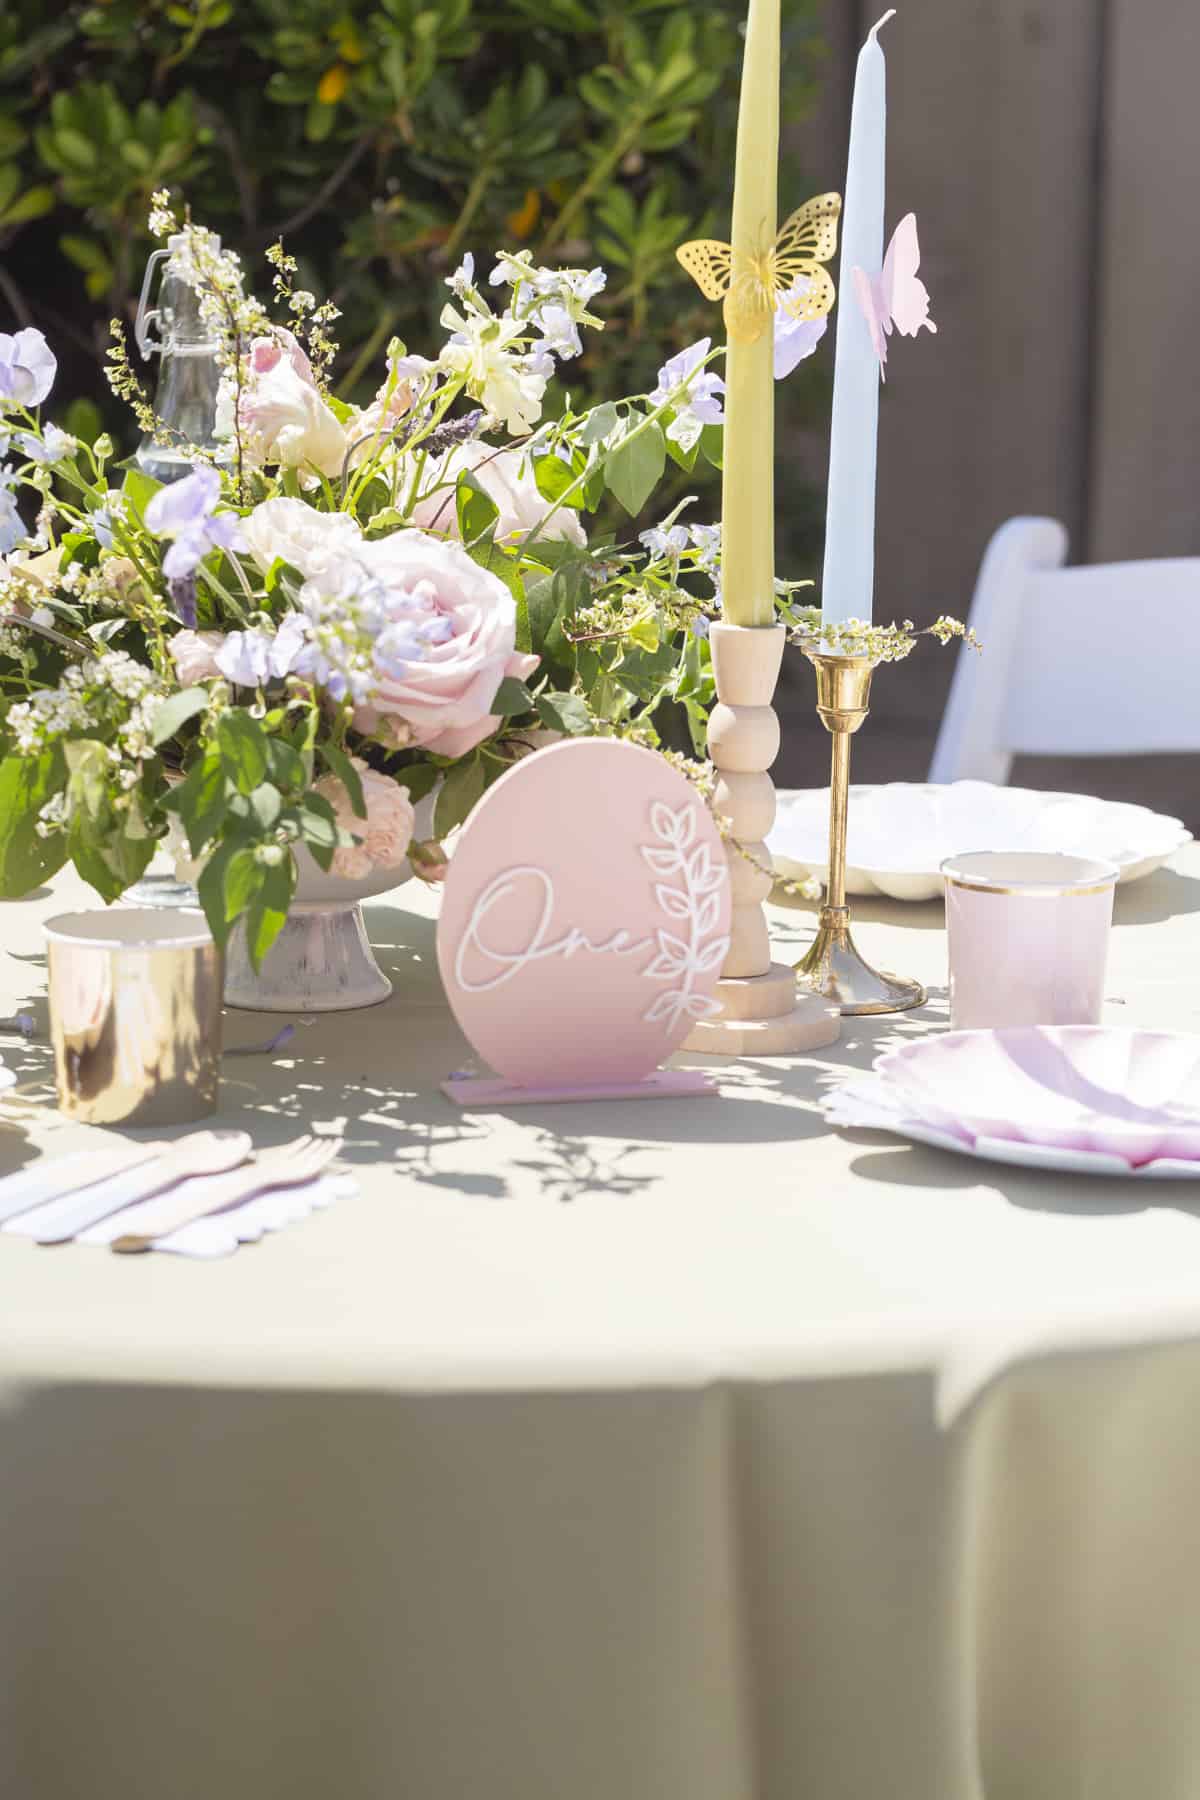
[(763, 1013)]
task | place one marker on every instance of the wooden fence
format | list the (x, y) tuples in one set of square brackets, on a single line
[(1050, 149)]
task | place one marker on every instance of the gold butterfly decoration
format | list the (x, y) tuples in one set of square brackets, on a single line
[(751, 285)]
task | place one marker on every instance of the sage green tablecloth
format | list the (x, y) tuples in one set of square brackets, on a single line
[(672, 1451)]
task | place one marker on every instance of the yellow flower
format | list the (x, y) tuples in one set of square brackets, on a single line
[(522, 222), (333, 84)]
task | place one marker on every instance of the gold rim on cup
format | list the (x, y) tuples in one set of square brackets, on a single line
[(1095, 875)]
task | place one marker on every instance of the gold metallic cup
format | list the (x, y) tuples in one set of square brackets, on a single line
[(833, 966), (135, 1015)]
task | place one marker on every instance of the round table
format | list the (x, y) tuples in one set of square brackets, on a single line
[(677, 1450)]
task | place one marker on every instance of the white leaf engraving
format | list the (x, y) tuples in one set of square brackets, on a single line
[(696, 901)]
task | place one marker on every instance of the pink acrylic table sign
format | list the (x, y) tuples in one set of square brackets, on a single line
[(584, 922)]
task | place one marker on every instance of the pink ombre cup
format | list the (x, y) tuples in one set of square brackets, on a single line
[(1028, 935)]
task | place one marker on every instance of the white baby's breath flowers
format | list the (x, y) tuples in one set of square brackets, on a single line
[(79, 702)]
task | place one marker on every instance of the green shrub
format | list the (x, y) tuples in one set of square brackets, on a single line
[(382, 138)]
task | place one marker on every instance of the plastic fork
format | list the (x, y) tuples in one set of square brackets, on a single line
[(209, 1152), (290, 1165)]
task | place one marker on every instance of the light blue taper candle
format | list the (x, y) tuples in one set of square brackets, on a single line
[(849, 578)]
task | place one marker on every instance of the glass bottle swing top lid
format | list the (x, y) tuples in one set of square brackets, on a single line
[(185, 401), (175, 323)]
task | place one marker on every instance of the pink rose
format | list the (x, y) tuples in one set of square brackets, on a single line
[(386, 832), (284, 417), (194, 654), (507, 477), (445, 699), (266, 353)]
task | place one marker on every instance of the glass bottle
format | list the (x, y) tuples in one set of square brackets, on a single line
[(190, 373)]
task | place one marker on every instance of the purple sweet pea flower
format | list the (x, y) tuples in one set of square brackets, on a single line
[(703, 388), (184, 512), (11, 528), (183, 598), (27, 367), (53, 447), (245, 658), (700, 404), (253, 658), (795, 338), (102, 519)]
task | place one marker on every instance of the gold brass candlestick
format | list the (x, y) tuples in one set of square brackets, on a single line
[(833, 966)]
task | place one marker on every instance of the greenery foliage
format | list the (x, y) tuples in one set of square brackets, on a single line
[(383, 138)]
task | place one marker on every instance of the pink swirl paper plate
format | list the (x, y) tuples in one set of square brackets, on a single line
[(1092, 1099)]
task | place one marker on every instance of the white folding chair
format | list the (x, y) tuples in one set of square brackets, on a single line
[(1095, 661)]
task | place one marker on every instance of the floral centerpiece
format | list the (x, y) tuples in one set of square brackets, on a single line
[(344, 622)]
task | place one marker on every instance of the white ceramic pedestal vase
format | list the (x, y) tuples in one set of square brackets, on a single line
[(322, 960)]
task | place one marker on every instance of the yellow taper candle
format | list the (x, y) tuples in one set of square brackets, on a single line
[(748, 489)]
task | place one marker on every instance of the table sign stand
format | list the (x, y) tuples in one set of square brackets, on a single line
[(585, 920), (488, 1094), (833, 967), (762, 1013)]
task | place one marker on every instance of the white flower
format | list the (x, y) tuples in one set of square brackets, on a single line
[(507, 383), (513, 268), (560, 334), (507, 477), (290, 531), (463, 277)]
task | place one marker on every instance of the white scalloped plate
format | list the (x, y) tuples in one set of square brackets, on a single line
[(1136, 1090), (901, 832)]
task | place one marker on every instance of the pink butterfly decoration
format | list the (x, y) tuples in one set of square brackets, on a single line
[(895, 300)]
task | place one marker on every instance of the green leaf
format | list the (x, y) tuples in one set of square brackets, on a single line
[(512, 698), (600, 424), (265, 805), (285, 765), (139, 489), (109, 849), (490, 556), (243, 878), (210, 887), (176, 710), (462, 787), (477, 511), (553, 477), (317, 822), (634, 467), (712, 444), (419, 778), (34, 203), (348, 775), (26, 859), (269, 911), (243, 746), (200, 800), (567, 713)]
